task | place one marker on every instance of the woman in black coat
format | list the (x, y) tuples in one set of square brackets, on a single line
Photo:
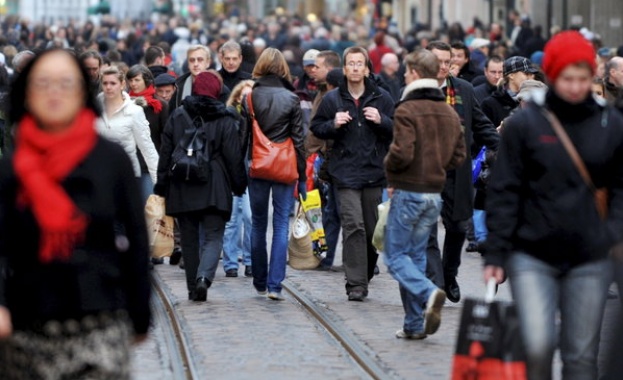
[(202, 206), (73, 240)]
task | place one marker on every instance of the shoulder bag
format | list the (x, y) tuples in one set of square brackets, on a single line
[(270, 160), (601, 194)]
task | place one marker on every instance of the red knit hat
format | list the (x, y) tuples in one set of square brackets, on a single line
[(564, 49), (207, 84)]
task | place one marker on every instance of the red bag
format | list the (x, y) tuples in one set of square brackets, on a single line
[(489, 345), (271, 160)]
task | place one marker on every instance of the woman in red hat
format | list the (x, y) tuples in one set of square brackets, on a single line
[(547, 232)]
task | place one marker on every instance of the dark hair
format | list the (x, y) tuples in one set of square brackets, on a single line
[(495, 59), (457, 45), (137, 70), (17, 95), (152, 53), (438, 45)]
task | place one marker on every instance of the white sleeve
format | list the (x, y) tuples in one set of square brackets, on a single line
[(142, 136)]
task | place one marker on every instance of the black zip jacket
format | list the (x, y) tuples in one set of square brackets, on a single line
[(356, 159), (538, 203)]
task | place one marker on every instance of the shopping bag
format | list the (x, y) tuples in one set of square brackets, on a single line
[(312, 206), (489, 343), (159, 227), (378, 239), (300, 249)]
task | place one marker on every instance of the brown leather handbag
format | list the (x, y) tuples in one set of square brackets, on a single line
[(271, 160), (601, 194)]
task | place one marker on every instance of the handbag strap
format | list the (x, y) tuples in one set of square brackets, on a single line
[(570, 148)]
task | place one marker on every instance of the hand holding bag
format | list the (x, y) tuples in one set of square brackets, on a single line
[(271, 160), (159, 227)]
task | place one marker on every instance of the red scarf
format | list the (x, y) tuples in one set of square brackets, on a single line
[(42, 161), (148, 94)]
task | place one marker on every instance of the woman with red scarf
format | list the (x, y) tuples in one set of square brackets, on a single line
[(141, 83), (73, 292)]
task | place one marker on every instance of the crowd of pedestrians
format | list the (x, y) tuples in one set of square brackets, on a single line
[(407, 117)]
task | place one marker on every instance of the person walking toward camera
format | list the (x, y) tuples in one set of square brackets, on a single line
[(549, 230)]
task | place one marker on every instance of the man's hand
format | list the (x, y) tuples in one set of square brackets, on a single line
[(342, 118), (6, 327), (372, 114), (494, 272)]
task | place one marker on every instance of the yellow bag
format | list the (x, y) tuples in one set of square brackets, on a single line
[(159, 227), (312, 206), (300, 249)]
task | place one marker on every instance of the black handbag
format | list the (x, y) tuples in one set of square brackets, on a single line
[(191, 161)]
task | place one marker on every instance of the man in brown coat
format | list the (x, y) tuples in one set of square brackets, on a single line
[(428, 140)]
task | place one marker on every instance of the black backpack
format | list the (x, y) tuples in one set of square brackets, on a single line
[(191, 159)]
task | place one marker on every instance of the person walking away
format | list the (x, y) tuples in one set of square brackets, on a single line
[(357, 117), (75, 289), (428, 140), (545, 231), (278, 113), (237, 238), (202, 207)]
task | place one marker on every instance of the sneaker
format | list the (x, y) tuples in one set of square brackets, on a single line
[(247, 271), (432, 315), (401, 334), (275, 296), (231, 273), (356, 295)]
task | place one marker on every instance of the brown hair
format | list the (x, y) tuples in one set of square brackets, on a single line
[(271, 61), (424, 63)]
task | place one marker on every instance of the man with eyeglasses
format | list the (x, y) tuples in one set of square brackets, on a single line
[(458, 191), (357, 116)]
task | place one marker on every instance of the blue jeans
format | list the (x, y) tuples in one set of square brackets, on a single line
[(480, 225), (331, 223), (579, 293), (237, 239), (265, 276), (409, 223)]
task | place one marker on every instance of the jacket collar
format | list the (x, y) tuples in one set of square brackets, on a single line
[(421, 84)]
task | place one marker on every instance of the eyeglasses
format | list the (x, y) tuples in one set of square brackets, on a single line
[(355, 64), (63, 84)]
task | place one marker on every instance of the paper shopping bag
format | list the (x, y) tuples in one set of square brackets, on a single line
[(159, 227)]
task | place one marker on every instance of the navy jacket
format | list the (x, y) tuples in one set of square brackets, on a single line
[(356, 159)]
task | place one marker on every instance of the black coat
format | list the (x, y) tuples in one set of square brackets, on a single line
[(227, 172), (278, 113), (359, 147), (98, 276), (498, 106), (538, 202), (230, 80), (458, 192)]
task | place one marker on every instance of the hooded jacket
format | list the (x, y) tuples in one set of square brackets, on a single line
[(359, 147), (227, 172), (129, 128), (537, 201)]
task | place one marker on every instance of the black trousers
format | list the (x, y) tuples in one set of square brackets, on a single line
[(439, 268)]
